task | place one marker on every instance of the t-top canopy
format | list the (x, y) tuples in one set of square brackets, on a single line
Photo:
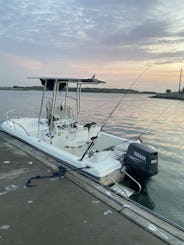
[(63, 81)]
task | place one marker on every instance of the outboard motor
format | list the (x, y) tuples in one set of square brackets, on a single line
[(142, 160)]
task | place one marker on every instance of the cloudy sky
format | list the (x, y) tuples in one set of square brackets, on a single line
[(114, 39)]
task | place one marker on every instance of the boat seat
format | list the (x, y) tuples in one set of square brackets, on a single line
[(88, 125), (77, 138)]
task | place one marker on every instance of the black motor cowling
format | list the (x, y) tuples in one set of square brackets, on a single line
[(142, 160)]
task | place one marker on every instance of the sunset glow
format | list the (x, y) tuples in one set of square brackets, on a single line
[(116, 40)]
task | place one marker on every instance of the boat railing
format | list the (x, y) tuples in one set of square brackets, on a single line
[(8, 112), (119, 186), (134, 180), (17, 115), (67, 112), (18, 124)]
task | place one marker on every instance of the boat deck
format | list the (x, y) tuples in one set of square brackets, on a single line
[(58, 211)]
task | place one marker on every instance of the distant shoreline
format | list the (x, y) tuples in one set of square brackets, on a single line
[(87, 90)]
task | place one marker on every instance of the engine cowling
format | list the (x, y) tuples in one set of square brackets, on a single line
[(142, 159)]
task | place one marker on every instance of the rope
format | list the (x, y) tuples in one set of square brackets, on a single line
[(58, 174)]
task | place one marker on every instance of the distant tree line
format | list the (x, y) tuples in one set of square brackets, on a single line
[(89, 90), (28, 88), (170, 91)]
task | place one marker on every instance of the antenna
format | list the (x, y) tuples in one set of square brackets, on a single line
[(180, 81)]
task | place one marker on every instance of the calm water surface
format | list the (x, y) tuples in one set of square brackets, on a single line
[(160, 121)]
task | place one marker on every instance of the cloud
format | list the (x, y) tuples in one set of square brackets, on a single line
[(67, 24), (92, 33)]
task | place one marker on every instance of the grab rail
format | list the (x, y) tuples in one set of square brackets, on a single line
[(134, 180), (126, 195), (7, 113), (19, 126)]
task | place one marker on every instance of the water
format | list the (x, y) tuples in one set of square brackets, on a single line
[(161, 121)]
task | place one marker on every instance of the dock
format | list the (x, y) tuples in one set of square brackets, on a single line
[(169, 95), (67, 210)]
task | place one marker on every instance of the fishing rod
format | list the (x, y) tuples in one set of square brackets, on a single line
[(122, 97), (138, 137), (111, 113), (154, 120)]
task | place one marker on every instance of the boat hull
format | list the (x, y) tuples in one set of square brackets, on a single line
[(103, 170)]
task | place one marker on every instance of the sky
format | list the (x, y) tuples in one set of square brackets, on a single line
[(115, 40)]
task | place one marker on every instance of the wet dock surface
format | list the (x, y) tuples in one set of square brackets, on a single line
[(56, 211)]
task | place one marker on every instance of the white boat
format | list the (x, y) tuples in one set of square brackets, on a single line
[(99, 155)]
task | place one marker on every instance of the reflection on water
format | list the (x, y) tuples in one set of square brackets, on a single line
[(160, 121), (144, 199)]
